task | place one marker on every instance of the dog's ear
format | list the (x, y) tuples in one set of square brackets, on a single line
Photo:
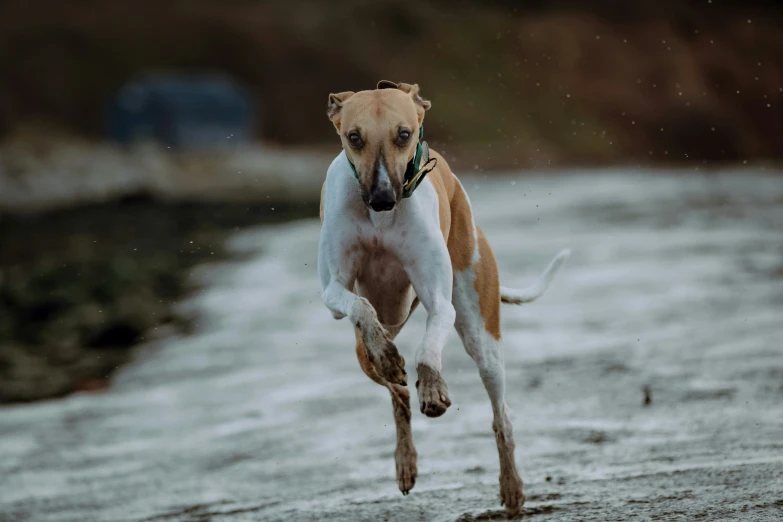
[(386, 84), (412, 89), (335, 105)]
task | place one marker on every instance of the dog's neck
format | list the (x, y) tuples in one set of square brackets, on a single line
[(382, 220)]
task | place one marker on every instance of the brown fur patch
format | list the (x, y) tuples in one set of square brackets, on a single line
[(364, 360), (443, 181), (456, 221), (461, 242), (488, 286)]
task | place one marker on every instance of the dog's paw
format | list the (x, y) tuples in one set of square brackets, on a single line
[(433, 392), (511, 495), (405, 461), (390, 364)]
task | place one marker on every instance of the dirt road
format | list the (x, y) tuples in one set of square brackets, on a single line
[(676, 283)]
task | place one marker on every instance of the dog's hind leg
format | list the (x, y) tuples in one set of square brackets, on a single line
[(405, 454), (477, 303)]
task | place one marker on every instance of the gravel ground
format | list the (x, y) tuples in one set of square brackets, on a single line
[(675, 284)]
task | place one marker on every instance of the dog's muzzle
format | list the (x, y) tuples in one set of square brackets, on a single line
[(382, 201)]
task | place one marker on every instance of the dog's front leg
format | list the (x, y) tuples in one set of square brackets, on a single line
[(381, 350), (430, 274), (338, 273)]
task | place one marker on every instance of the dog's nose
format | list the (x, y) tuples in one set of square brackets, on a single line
[(382, 202)]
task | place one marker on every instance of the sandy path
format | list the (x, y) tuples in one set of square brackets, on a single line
[(264, 415)]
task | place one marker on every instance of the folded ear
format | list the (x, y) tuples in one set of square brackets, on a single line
[(335, 105), (386, 84), (412, 89)]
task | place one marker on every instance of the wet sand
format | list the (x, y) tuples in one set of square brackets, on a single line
[(675, 283)]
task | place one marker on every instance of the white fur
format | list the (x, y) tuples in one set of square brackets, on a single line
[(412, 246), (537, 289), (384, 181), (410, 235)]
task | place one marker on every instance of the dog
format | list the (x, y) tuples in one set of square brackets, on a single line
[(398, 230)]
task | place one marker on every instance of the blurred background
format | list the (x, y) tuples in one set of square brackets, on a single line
[(138, 139), (542, 81)]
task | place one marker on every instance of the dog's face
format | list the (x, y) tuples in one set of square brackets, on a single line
[(379, 130)]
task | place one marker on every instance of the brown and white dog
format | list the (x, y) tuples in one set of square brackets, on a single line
[(380, 254)]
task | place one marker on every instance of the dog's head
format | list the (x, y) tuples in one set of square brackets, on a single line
[(379, 130)]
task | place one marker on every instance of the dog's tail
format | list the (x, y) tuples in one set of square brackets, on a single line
[(533, 292)]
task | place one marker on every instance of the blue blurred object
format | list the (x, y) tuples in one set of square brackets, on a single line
[(183, 112)]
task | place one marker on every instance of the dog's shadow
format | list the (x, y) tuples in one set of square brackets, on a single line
[(499, 514)]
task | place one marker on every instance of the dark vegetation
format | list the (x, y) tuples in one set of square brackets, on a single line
[(541, 81), (80, 287)]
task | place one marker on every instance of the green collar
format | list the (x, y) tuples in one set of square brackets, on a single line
[(415, 172)]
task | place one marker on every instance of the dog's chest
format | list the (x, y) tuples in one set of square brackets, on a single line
[(380, 263), (382, 279)]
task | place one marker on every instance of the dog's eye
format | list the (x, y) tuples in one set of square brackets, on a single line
[(403, 136), (355, 139)]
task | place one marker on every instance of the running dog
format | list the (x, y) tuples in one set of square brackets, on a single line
[(398, 230)]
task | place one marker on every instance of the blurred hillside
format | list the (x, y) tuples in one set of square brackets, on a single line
[(516, 83)]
